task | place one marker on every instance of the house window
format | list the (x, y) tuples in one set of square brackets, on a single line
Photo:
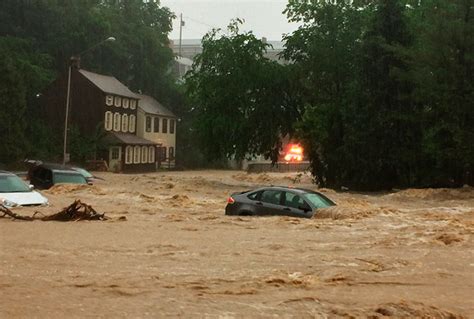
[(115, 153), (117, 122), (172, 123), (124, 123), (133, 104), (125, 103), (131, 124), (136, 154), (156, 125), (109, 100), (144, 154), (148, 123), (118, 101), (151, 154), (171, 151), (163, 153), (165, 125), (128, 155), (108, 121)]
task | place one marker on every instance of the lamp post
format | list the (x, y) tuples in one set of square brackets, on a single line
[(68, 94)]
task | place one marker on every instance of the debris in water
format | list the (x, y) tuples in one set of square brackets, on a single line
[(74, 212)]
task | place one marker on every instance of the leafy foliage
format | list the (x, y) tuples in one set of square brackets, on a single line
[(239, 106), (386, 91), (40, 37)]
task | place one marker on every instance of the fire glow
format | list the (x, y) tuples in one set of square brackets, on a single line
[(295, 154)]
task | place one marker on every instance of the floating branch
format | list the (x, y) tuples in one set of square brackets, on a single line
[(74, 212)]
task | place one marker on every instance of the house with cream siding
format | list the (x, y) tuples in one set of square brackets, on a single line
[(157, 124)]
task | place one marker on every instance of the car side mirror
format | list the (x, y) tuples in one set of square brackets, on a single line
[(32, 187)]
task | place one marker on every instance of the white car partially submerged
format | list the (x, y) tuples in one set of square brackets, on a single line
[(15, 192)]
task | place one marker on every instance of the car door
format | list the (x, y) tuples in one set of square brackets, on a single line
[(294, 204), (42, 178), (270, 202)]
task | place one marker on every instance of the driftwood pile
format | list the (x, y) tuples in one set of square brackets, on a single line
[(74, 212)]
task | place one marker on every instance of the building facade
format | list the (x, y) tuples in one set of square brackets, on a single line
[(158, 124), (102, 103)]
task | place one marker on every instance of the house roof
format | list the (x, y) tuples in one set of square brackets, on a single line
[(108, 84), (127, 138), (152, 106)]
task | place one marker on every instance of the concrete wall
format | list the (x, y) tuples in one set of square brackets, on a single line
[(278, 167)]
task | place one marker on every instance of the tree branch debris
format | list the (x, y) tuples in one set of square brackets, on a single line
[(75, 212)]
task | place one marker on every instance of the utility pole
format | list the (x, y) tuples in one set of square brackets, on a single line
[(181, 24)]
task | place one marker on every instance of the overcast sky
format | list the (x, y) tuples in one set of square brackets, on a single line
[(263, 17)]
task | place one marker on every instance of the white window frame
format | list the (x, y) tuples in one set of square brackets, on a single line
[(125, 103), (108, 121), (109, 100), (133, 104), (172, 125), (148, 123), (125, 123), (117, 120), (136, 154), (128, 154), (151, 154), (131, 123), (118, 101), (144, 154)]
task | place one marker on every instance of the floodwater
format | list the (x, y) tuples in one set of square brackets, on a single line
[(404, 254)]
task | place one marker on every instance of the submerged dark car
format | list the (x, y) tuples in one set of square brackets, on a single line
[(285, 201), (36, 165), (44, 176)]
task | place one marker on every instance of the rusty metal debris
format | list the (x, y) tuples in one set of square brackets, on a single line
[(74, 212)]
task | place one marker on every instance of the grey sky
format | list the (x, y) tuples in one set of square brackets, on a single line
[(263, 17)]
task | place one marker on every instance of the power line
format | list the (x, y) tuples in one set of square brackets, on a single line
[(200, 22)]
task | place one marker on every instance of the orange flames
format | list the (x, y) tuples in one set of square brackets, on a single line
[(295, 153)]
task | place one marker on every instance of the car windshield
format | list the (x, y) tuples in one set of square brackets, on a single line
[(12, 184), (70, 178), (319, 201), (83, 172)]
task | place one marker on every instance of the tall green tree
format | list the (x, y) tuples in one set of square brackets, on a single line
[(443, 69), (237, 94), (23, 71), (325, 51), (385, 136), (13, 107)]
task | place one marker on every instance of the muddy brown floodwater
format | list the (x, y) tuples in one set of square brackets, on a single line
[(403, 254)]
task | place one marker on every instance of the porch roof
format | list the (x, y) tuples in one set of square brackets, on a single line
[(127, 138)]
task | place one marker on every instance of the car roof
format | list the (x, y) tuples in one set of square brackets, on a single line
[(286, 188), (57, 167), (67, 171)]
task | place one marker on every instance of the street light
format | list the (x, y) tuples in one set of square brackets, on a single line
[(75, 58)]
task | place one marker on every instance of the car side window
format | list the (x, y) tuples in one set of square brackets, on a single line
[(253, 196), (41, 174), (294, 201), (271, 197)]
